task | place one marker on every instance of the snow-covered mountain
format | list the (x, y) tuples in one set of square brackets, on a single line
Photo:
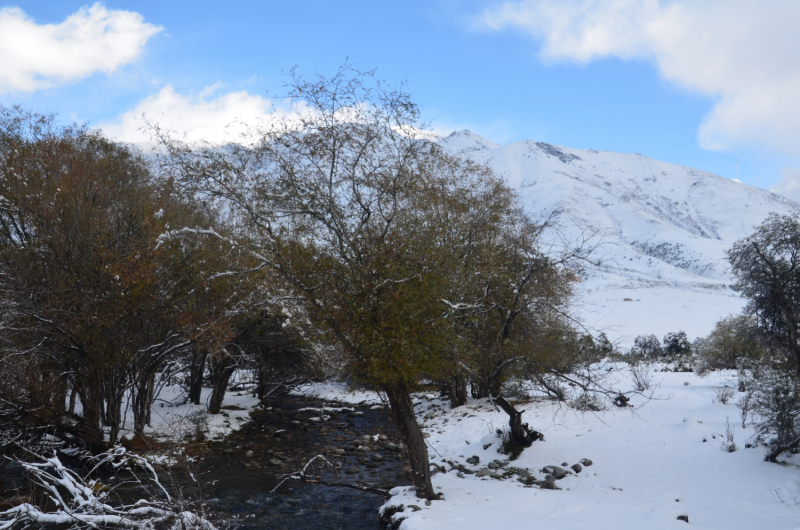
[(665, 229)]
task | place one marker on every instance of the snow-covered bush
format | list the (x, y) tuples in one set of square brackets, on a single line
[(676, 343), (776, 407), (647, 347)]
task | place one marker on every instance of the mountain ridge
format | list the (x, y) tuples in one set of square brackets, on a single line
[(665, 229)]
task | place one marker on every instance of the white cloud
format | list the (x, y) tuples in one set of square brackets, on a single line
[(94, 39), (193, 118), (789, 185), (744, 53)]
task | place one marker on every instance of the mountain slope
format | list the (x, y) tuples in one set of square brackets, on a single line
[(664, 228)]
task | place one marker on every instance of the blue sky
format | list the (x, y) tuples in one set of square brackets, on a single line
[(705, 83)]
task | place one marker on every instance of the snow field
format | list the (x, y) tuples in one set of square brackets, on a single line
[(650, 465)]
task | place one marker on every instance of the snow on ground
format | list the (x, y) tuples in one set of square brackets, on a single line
[(650, 465), (175, 418), (336, 391), (657, 310)]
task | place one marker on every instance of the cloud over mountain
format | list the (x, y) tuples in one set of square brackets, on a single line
[(94, 39)]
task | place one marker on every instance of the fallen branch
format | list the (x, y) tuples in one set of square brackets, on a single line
[(303, 477), (84, 503)]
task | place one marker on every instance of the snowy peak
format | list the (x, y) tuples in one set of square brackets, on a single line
[(465, 142)]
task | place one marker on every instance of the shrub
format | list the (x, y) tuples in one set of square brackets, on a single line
[(642, 376), (776, 404), (676, 343), (647, 347), (588, 402), (734, 339), (724, 394)]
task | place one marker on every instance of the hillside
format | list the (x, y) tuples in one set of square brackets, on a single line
[(663, 229)]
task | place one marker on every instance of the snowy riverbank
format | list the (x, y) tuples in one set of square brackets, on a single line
[(650, 465)]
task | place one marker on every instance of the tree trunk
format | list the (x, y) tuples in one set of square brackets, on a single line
[(521, 434), (114, 415), (222, 369), (457, 390), (89, 429), (196, 372), (406, 422), (142, 402), (73, 394)]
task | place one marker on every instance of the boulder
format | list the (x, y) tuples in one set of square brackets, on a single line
[(548, 485), (275, 462), (576, 468), (524, 473), (491, 465), (487, 473), (474, 460), (555, 471), (586, 462)]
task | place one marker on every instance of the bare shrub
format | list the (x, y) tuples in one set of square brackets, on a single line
[(745, 404), (724, 394), (642, 374), (729, 445), (588, 402)]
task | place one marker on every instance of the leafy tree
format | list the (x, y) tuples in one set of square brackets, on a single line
[(767, 268), (99, 306), (373, 233)]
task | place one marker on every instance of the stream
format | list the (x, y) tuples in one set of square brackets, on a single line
[(360, 441)]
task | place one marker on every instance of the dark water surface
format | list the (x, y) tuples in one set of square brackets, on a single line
[(240, 483)]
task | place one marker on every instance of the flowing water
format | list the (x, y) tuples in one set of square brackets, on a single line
[(242, 472)]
